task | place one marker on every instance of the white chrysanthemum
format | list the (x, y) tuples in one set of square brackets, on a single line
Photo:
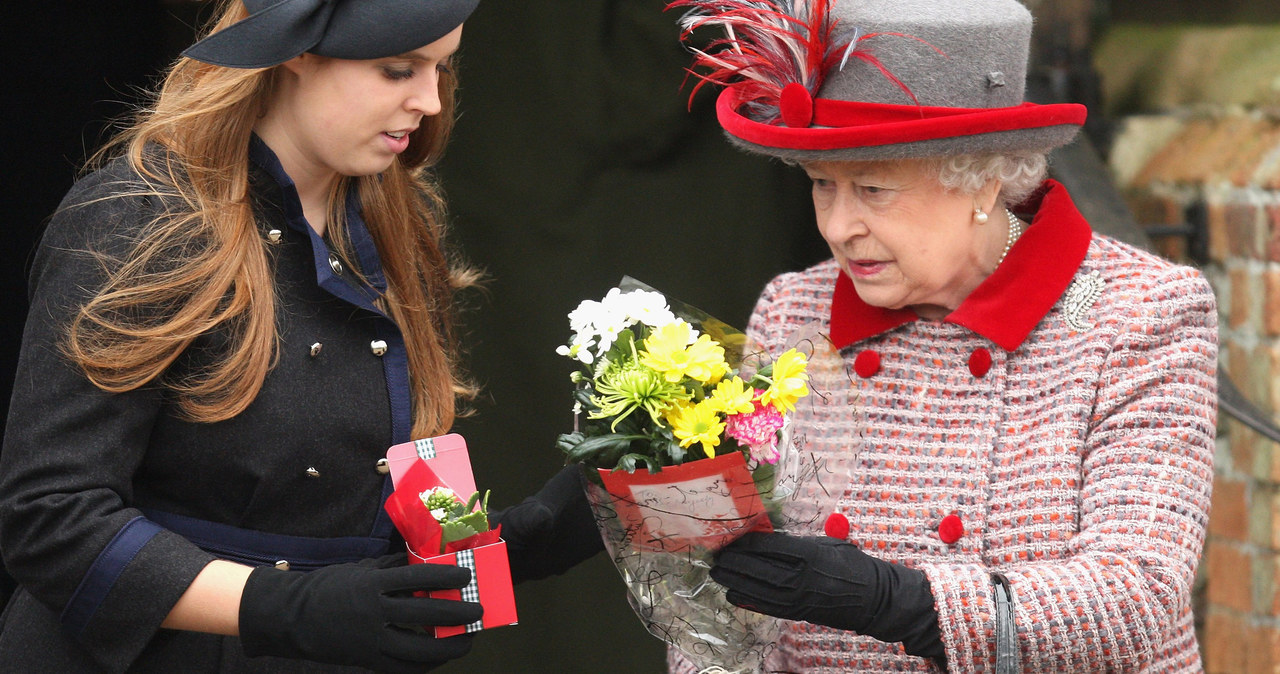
[(607, 335), (647, 307), (597, 324), (583, 319)]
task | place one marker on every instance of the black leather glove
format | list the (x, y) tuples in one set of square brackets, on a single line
[(831, 582), (361, 614), (551, 531)]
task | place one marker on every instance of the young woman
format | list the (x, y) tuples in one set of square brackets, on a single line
[(232, 320)]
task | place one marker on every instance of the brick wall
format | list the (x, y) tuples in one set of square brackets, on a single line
[(1225, 164)]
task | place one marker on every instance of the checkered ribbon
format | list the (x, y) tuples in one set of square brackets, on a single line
[(426, 448), (467, 558)]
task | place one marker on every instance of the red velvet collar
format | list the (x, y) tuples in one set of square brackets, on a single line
[(1009, 304)]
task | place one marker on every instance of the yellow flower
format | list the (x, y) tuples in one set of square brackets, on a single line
[(668, 351), (733, 396), (706, 359), (788, 382), (697, 423)]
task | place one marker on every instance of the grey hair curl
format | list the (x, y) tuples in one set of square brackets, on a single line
[(1019, 174)]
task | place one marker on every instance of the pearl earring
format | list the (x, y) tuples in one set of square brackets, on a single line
[(979, 216)]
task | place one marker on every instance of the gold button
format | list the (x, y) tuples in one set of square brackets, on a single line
[(315, 349), (378, 347), (312, 472), (274, 235), (383, 466), (335, 264), (283, 565)]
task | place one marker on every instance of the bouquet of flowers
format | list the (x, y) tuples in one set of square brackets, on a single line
[(688, 441)]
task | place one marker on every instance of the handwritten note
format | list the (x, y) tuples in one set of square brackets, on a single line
[(705, 504)]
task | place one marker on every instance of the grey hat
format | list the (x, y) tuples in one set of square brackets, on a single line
[(877, 79), (278, 30)]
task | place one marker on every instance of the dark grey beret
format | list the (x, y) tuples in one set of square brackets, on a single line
[(278, 30)]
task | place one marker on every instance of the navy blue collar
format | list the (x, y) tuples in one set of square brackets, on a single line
[(345, 285)]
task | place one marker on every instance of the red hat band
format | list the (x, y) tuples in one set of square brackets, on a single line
[(837, 125)]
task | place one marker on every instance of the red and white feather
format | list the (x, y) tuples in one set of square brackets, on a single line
[(770, 44)]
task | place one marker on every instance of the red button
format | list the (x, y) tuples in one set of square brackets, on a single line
[(837, 526), (950, 529), (980, 362), (795, 104), (867, 364)]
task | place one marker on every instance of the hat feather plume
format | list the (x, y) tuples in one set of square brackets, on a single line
[(769, 44)]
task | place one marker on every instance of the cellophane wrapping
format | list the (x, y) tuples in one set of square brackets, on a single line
[(665, 552)]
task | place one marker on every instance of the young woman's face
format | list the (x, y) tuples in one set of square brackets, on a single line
[(901, 237), (352, 117)]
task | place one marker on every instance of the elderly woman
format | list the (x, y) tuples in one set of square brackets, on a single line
[(1032, 454), (233, 317)]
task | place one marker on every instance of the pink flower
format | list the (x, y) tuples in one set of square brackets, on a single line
[(758, 430)]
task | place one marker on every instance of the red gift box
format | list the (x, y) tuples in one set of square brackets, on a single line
[(484, 553), (490, 585)]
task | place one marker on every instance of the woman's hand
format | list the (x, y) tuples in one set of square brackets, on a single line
[(361, 614), (551, 531), (830, 582)]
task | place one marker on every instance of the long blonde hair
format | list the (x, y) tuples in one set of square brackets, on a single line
[(203, 265)]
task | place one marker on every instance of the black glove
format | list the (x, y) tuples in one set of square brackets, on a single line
[(551, 531), (830, 582), (361, 614)]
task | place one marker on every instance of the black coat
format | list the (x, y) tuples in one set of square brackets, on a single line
[(79, 465)]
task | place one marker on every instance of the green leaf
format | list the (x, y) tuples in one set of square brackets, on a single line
[(475, 498), (628, 463), (601, 450), (675, 451), (764, 476), (622, 348), (759, 380), (633, 424), (456, 531), (565, 442), (583, 396), (476, 520)]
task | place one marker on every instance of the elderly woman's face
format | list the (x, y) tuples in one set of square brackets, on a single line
[(904, 239)]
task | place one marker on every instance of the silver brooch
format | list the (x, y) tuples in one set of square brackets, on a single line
[(1084, 291)]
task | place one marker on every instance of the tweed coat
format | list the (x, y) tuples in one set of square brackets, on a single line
[(1065, 412), (92, 482)]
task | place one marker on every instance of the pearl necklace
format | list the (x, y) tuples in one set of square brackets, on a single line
[(1015, 231)]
